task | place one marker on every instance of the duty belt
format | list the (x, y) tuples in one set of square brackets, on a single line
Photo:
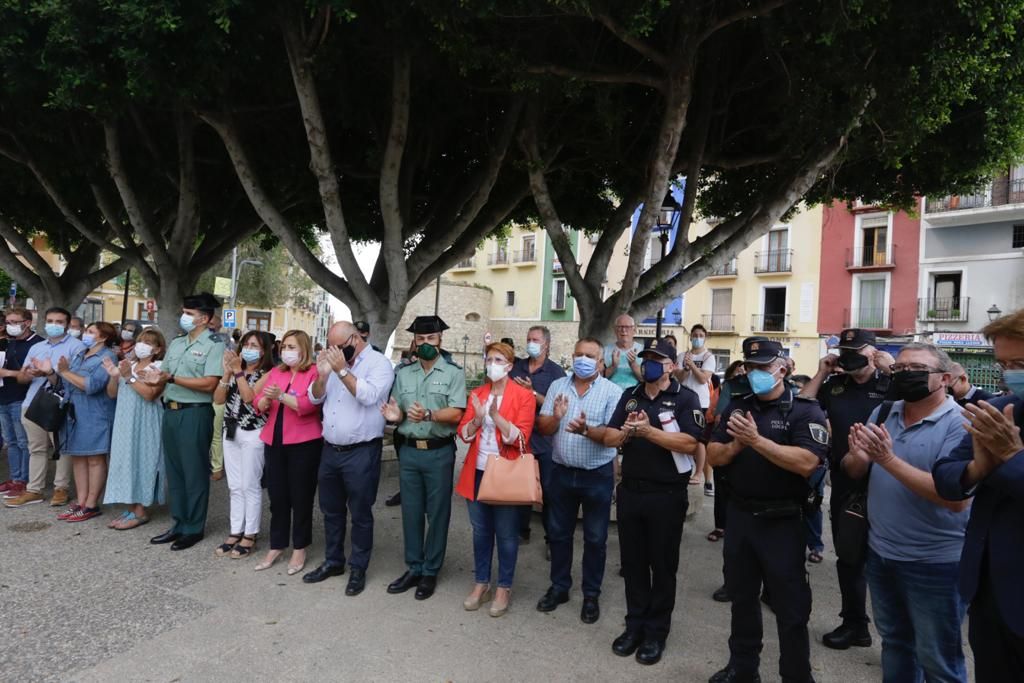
[(428, 444), (768, 508)]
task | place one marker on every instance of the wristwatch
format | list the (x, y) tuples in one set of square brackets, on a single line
[(133, 380), (170, 380), (343, 373), (429, 417)]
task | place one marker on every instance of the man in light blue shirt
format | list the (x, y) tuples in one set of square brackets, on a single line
[(621, 359), (915, 537), (41, 364), (576, 411)]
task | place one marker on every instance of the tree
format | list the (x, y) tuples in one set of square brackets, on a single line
[(277, 282)]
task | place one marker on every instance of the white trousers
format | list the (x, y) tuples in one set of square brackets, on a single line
[(243, 463)]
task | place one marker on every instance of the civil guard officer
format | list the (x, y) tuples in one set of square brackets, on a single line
[(847, 398), (191, 369), (657, 424), (772, 443), (427, 402)]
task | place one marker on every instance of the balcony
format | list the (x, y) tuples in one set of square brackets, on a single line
[(877, 319), (956, 309), (498, 258), (776, 261), (719, 322), (1002, 200), (770, 322), (556, 266), (525, 256), (727, 269), (466, 264), (866, 259)]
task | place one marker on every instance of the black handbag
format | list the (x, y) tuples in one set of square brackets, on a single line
[(49, 407), (851, 537)]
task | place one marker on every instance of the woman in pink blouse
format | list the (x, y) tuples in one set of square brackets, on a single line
[(292, 438)]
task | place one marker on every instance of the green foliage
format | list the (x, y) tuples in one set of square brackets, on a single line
[(278, 282)]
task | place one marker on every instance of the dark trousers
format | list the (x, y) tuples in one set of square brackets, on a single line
[(348, 485), (650, 530), (852, 585), (426, 481), (722, 490), (770, 551), (186, 436), (998, 651), (570, 488), (526, 511), (291, 484)]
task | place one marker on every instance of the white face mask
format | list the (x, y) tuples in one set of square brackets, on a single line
[(496, 372), (14, 330), (290, 358), (127, 335), (75, 333), (143, 350)]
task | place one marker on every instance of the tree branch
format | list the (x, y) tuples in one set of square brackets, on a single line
[(600, 77), (644, 48), (741, 15), (186, 224), (37, 267), (392, 249)]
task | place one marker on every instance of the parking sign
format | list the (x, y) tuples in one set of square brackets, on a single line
[(228, 317)]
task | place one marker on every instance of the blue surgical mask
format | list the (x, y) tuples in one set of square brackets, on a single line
[(1014, 380), (652, 370), (54, 330), (761, 381), (533, 349), (250, 355), (698, 342), (584, 367), (187, 322), (88, 339)]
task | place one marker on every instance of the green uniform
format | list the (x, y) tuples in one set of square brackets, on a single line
[(188, 428), (426, 468)]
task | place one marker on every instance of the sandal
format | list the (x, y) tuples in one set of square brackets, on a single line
[(814, 557), (129, 520), (114, 522), (716, 535), (229, 545), (240, 550)]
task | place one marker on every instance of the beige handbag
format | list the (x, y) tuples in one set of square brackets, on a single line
[(511, 482)]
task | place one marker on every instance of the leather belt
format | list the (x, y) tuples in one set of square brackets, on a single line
[(174, 405), (352, 446), (428, 444)]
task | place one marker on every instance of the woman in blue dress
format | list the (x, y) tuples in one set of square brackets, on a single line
[(85, 436), (136, 476)]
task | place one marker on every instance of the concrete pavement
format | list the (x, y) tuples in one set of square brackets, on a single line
[(85, 603)]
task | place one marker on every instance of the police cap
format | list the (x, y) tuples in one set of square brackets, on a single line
[(761, 351), (660, 348), (855, 338), (203, 301), (427, 324)]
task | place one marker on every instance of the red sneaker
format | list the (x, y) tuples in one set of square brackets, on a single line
[(17, 488), (70, 512), (7, 486), (83, 513)]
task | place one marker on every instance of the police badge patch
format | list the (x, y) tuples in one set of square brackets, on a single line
[(698, 417), (631, 405), (818, 432)]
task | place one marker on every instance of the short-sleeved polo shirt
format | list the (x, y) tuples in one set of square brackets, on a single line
[(623, 375), (442, 386), (51, 350), (541, 380), (598, 404), (193, 358)]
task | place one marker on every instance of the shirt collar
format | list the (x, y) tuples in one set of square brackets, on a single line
[(948, 405)]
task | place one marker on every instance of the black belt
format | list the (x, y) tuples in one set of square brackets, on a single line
[(174, 405), (352, 446), (426, 444), (768, 508), (648, 486)]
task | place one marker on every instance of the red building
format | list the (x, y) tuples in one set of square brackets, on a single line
[(869, 268)]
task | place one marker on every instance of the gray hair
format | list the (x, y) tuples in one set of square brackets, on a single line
[(543, 330), (943, 361)]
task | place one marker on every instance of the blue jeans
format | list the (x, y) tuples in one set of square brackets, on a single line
[(490, 523), (568, 489), (918, 612), (814, 523), (16, 440)]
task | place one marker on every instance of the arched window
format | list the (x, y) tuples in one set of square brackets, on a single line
[(473, 317)]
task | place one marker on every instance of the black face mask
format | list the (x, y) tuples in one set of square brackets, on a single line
[(349, 351), (911, 385), (852, 361)]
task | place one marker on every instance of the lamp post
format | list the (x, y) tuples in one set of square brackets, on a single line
[(236, 270), (465, 349), (993, 313), (666, 218)]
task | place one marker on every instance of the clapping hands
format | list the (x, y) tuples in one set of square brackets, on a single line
[(743, 428)]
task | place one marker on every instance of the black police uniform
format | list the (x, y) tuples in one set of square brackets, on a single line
[(651, 504), (767, 533), (845, 403)]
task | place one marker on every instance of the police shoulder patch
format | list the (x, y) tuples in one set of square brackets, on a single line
[(698, 417), (819, 433), (838, 389), (631, 405)]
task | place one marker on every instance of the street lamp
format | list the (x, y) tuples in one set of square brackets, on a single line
[(236, 270), (993, 312), (465, 349), (666, 218)]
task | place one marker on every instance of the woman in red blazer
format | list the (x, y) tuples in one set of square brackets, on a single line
[(497, 420)]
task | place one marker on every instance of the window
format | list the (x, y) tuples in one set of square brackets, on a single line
[(721, 310), (773, 310), (473, 317), (776, 256), (510, 299), (721, 359), (872, 247), (871, 310), (654, 249), (558, 295), (258, 320), (529, 249), (1018, 236), (90, 310)]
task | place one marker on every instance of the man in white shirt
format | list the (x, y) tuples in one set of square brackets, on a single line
[(354, 380)]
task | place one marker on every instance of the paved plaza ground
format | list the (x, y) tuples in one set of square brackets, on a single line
[(85, 603)]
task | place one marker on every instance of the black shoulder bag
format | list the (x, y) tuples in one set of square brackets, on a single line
[(851, 537)]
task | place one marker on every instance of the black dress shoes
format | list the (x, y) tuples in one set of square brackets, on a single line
[(847, 636), (650, 651), (426, 587), (166, 537), (721, 595), (394, 501), (186, 541), (404, 582), (356, 582), (731, 675), (627, 643), (551, 600), (591, 610), (324, 571)]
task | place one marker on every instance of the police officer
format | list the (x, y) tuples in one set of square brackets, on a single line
[(657, 424), (427, 402), (191, 369), (848, 398), (771, 442)]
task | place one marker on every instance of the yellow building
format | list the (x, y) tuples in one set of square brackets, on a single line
[(769, 289)]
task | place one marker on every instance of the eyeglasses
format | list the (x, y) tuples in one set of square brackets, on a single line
[(914, 367), (14, 322), (1017, 364), (624, 327)]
